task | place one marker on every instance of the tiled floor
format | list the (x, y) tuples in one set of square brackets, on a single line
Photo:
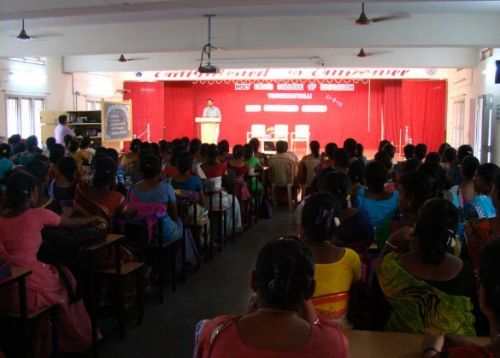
[(221, 286)]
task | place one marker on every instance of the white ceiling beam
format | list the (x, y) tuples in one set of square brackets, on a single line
[(259, 33), (379, 57)]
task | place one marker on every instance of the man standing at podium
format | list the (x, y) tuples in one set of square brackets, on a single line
[(211, 111)]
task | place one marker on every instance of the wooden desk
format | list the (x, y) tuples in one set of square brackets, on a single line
[(372, 344)]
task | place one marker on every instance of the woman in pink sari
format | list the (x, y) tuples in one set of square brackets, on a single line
[(20, 238)]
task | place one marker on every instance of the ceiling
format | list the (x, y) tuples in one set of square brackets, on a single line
[(170, 34)]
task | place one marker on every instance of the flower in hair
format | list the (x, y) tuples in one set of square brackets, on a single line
[(328, 216)]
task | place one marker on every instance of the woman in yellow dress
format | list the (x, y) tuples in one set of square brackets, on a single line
[(336, 268)]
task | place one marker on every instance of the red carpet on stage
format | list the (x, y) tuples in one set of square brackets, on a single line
[(397, 110)]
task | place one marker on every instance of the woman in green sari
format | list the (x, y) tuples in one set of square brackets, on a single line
[(429, 289)]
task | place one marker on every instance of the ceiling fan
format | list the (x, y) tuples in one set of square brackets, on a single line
[(363, 19), (124, 59), (363, 53), (23, 35)]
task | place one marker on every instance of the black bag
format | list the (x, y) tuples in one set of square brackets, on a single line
[(60, 246)]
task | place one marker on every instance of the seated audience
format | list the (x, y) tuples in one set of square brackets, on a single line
[(31, 150), (420, 152), (223, 149), (374, 199), (449, 160), (489, 300), (429, 289), (85, 153), (327, 162), (442, 148), (39, 169), (132, 155), (351, 146), (254, 142), (276, 326), (283, 155), (307, 165), (237, 163), (63, 187), (336, 268), (214, 171), (170, 169), (153, 191), (359, 153), (49, 144), (341, 160), (56, 153), (20, 238), (463, 152), (465, 190), (356, 229), (433, 157), (481, 205), (99, 197), (195, 151), (237, 170), (480, 231), (186, 180), (6, 164)]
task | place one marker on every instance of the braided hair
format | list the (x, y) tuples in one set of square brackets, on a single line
[(337, 184), (284, 273), (320, 217), (435, 229)]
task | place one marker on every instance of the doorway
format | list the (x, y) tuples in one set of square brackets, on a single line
[(485, 127)]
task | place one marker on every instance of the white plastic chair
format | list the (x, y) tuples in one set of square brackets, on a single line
[(257, 131), (308, 174), (282, 175), (281, 132), (301, 134)]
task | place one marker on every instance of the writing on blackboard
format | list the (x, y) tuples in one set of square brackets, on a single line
[(117, 122)]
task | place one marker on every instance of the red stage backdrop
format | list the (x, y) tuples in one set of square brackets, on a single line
[(397, 110)]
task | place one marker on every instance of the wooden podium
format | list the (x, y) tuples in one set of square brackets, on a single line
[(209, 129)]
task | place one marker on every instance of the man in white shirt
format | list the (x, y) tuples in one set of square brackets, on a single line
[(213, 112), (62, 129)]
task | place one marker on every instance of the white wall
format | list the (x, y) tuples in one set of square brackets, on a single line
[(56, 87), (469, 84)]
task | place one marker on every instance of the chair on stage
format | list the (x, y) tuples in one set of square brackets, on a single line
[(301, 134), (281, 132), (257, 131)]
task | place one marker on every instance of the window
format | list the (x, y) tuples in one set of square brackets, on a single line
[(23, 115), (32, 60), (93, 105), (458, 122)]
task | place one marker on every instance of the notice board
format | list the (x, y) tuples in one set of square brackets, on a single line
[(117, 121)]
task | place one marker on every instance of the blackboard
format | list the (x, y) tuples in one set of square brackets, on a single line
[(117, 121)]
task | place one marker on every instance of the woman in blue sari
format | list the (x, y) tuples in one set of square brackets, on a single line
[(481, 206)]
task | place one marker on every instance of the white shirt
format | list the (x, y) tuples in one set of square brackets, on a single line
[(211, 112), (61, 131)]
